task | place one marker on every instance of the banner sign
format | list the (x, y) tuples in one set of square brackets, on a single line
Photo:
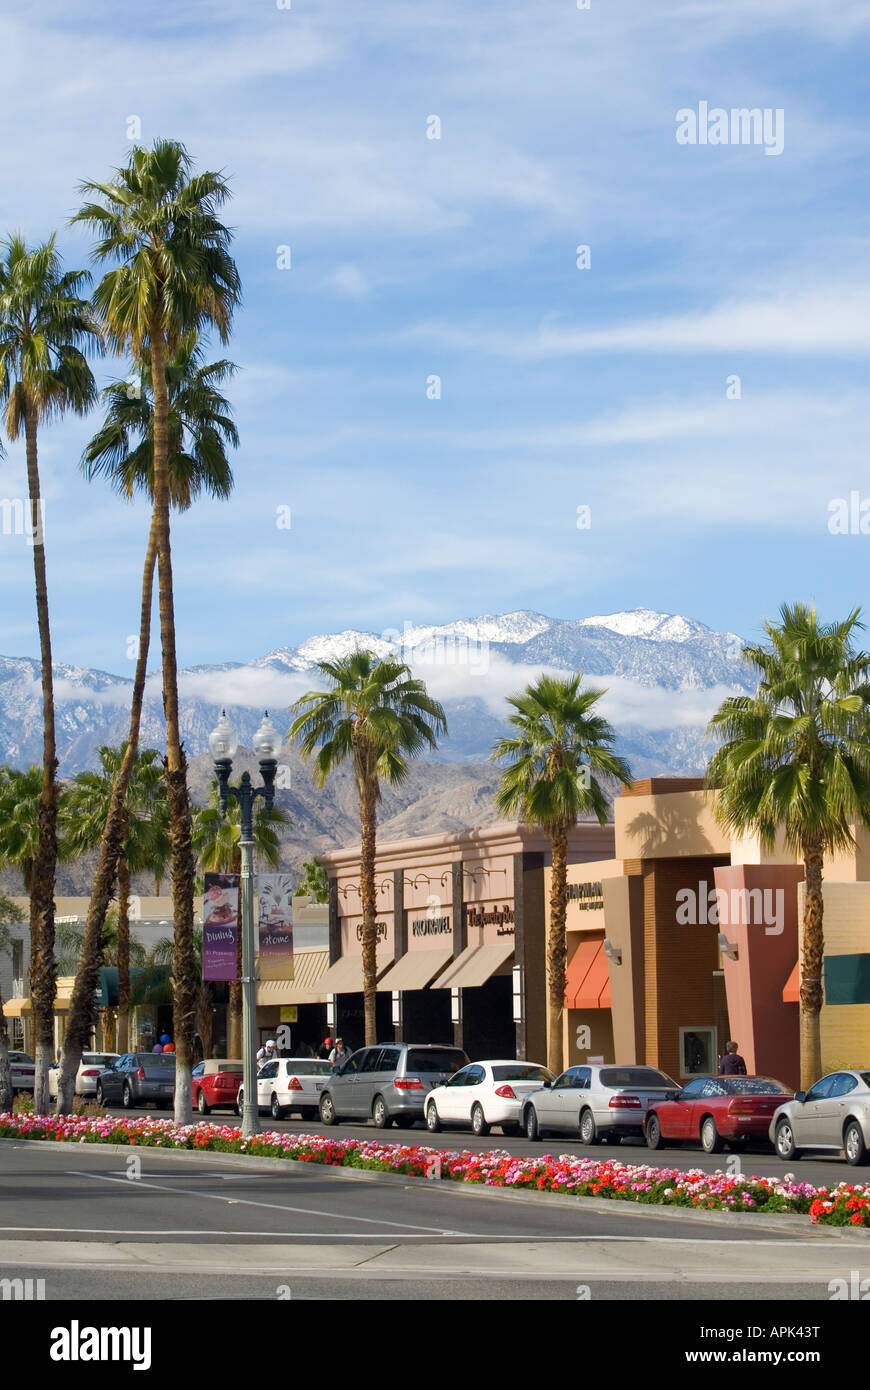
[(220, 926), (275, 900)]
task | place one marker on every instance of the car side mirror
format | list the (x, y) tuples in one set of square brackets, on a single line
[(801, 1096), (547, 1085)]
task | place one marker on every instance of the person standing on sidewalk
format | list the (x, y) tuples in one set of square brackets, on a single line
[(732, 1064)]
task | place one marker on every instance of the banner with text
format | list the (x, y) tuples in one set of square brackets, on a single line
[(275, 901), (220, 926)]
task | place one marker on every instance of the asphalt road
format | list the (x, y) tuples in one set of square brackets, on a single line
[(185, 1226), (820, 1170)]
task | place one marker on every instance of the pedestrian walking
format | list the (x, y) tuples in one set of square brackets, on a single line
[(732, 1064), (267, 1052), (339, 1053), (324, 1049)]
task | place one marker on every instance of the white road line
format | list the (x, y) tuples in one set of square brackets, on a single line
[(270, 1206)]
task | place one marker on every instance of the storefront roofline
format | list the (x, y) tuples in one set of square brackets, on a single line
[(502, 837)]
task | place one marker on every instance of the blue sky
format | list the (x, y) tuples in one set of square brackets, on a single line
[(414, 257)]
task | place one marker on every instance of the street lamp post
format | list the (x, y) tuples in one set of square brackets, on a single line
[(223, 743)]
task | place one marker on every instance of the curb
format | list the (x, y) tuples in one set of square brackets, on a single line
[(786, 1222)]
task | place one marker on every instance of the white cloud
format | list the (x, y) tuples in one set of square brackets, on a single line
[(348, 280)]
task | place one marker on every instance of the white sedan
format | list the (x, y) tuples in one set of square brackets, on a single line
[(90, 1066), (287, 1084), (485, 1094)]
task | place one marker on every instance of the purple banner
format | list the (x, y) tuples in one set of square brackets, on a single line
[(220, 927), (275, 912)]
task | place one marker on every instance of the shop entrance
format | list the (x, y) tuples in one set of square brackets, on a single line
[(350, 1021), (488, 1027), (426, 1016)]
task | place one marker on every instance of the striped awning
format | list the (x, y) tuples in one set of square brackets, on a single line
[(415, 969), (587, 985), (475, 965), (345, 976), (309, 968)]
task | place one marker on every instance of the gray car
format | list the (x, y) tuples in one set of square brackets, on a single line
[(138, 1077), (834, 1114), (601, 1102), (388, 1083)]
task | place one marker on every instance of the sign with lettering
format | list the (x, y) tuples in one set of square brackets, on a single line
[(502, 917), (220, 926), (587, 896), (380, 931), (431, 926), (275, 911)]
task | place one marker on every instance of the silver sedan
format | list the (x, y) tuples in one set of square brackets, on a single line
[(834, 1114), (597, 1102)]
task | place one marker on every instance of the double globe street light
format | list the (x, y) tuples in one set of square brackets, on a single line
[(223, 742)]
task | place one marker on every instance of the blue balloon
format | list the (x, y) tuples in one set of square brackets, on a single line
[(165, 1038)]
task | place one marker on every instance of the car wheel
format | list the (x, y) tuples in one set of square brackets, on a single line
[(653, 1133), (201, 1103), (239, 1106), (100, 1098), (531, 1124), (588, 1129), (380, 1113), (128, 1096), (853, 1143), (478, 1121), (276, 1109), (711, 1140), (327, 1111), (784, 1141), (433, 1124)]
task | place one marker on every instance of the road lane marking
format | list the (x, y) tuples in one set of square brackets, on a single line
[(270, 1206)]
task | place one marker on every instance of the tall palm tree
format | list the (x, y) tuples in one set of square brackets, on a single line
[(9, 912), (795, 758), (200, 429), (561, 748), (216, 843), (45, 328), (158, 220), (376, 715), (144, 848)]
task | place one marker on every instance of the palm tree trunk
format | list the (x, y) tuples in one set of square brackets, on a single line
[(205, 1018), (183, 870), (6, 1093), (43, 972), (812, 957), (368, 829), (123, 954), (82, 1012), (557, 951)]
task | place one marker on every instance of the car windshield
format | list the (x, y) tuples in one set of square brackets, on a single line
[(614, 1077), (752, 1086), (21, 1057), (865, 1077), (101, 1059), (304, 1066), (230, 1066), (436, 1059), (158, 1059), (521, 1071)]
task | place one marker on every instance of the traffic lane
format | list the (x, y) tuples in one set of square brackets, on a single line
[(757, 1160), (85, 1193)]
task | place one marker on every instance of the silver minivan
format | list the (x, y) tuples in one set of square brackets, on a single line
[(601, 1102), (388, 1083)]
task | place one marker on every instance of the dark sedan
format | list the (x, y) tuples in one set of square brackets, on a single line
[(137, 1078)]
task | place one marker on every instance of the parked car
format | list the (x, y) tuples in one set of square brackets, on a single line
[(713, 1110), (388, 1083), (138, 1077), (23, 1069), (597, 1102), (485, 1094), (215, 1084), (289, 1083), (834, 1114), (90, 1066)]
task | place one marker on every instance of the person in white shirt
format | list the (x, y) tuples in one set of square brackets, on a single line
[(339, 1053), (266, 1053)]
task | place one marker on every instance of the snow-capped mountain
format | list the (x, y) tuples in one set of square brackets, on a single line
[(664, 674)]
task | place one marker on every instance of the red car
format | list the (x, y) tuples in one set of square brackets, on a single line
[(713, 1110), (215, 1084)]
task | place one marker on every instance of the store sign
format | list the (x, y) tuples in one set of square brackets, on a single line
[(502, 917), (588, 896), (431, 926), (220, 926), (380, 931)]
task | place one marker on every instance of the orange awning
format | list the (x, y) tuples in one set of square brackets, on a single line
[(588, 982), (791, 994)]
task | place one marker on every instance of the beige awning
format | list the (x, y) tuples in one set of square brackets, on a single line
[(475, 965), (15, 1008), (346, 976), (415, 969), (309, 968)]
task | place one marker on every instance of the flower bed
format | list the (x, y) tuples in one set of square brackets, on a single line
[(843, 1205)]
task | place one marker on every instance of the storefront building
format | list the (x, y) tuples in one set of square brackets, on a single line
[(690, 937), (461, 949)]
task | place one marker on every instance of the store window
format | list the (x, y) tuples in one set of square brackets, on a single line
[(698, 1051)]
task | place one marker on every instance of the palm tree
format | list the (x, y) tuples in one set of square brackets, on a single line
[(144, 846), (795, 757), (174, 276), (45, 325), (216, 837), (20, 806), (200, 429), (9, 912), (377, 715), (561, 748)]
